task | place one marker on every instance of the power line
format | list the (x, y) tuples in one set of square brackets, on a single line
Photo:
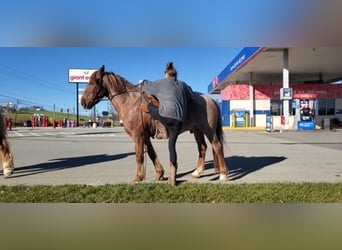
[(10, 72), (25, 76), (6, 99)]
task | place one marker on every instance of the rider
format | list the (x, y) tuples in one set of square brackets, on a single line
[(173, 96)]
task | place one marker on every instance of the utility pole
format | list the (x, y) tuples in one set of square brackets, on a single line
[(16, 112), (53, 114)]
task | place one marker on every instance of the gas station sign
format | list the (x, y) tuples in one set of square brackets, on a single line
[(309, 96), (286, 94)]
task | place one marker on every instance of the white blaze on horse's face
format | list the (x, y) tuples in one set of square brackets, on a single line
[(95, 90)]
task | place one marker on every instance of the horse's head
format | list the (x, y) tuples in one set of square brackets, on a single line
[(95, 89)]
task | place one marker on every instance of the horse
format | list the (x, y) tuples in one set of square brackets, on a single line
[(203, 118), (5, 151)]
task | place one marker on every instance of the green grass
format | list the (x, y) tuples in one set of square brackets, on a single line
[(183, 193)]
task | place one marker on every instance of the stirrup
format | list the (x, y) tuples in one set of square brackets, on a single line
[(143, 107), (160, 130)]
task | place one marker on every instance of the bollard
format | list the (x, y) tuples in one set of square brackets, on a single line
[(35, 122), (45, 121), (9, 125)]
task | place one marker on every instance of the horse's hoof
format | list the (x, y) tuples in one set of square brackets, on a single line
[(223, 177), (137, 179), (196, 174), (8, 173), (161, 178)]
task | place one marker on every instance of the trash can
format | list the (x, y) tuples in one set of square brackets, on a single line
[(326, 123)]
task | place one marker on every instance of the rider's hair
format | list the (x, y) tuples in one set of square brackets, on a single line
[(170, 70)]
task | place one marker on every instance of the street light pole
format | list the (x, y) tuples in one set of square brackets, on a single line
[(77, 109)]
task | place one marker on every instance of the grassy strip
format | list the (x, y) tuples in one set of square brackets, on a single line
[(184, 193)]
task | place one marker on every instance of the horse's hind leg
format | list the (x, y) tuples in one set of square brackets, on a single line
[(202, 149), (7, 158), (219, 158), (153, 156), (215, 161)]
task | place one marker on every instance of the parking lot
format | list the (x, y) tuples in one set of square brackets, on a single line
[(98, 156)]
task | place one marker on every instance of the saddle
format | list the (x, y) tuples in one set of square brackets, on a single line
[(151, 99), (158, 128)]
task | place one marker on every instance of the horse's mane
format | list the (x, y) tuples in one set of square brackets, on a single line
[(119, 83)]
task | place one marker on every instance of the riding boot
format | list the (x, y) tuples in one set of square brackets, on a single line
[(173, 172), (143, 107)]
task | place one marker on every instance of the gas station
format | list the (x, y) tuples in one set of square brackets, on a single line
[(281, 88)]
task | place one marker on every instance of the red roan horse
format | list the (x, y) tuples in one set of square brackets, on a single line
[(5, 151), (203, 118)]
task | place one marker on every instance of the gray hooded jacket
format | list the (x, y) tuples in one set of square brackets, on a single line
[(173, 96)]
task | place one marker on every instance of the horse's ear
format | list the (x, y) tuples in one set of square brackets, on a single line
[(102, 69)]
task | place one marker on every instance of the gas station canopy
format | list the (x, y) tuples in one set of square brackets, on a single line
[(306, 65)]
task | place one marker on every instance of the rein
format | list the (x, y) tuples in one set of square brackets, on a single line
[(134, 88)]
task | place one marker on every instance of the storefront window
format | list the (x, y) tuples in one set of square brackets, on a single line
[(277, 107), (326, 106), (330, 106)]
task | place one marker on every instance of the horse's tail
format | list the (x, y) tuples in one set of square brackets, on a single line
[(3, 134), (219, 128), (5, 151), (4, 144)]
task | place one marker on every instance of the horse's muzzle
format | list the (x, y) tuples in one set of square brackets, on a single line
[(85, 104)]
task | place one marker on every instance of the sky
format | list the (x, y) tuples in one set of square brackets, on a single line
[(39, 75), (150, 22), (41, 40)]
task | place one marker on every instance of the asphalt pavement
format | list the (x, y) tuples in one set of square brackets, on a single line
[(98, 156)]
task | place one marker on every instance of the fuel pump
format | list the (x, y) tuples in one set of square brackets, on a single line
[(305, 105)]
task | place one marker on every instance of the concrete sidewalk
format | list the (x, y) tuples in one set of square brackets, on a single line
[(251, 156)]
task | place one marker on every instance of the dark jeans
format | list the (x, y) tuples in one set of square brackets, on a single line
[(173, 128)]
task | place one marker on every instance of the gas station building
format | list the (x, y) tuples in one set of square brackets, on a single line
[(281, 88)]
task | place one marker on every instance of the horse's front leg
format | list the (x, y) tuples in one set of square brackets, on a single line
[(153, 156), (202, 149), (139, 155)]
